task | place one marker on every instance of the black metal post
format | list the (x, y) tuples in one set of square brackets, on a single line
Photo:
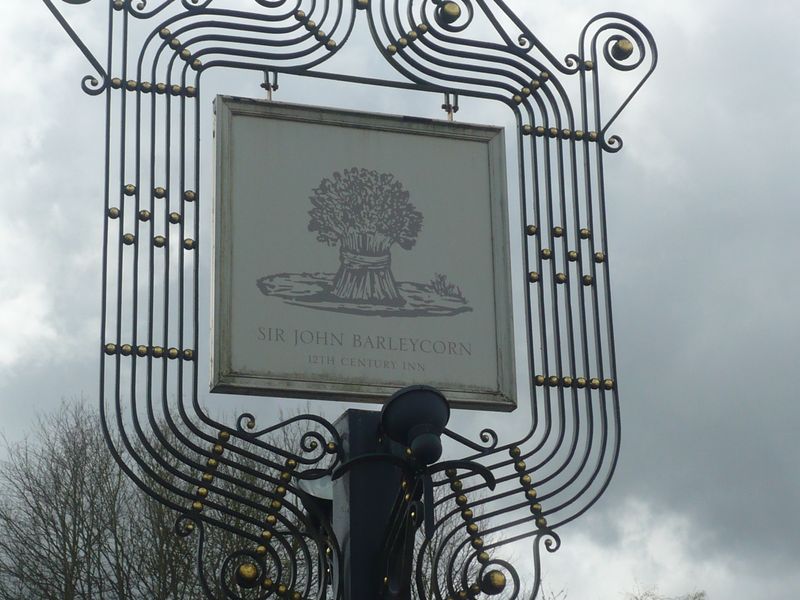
[(362, 504)]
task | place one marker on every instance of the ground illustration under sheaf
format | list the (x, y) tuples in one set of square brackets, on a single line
[(313, 290)]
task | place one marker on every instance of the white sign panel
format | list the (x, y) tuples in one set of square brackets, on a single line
[(356, 254)]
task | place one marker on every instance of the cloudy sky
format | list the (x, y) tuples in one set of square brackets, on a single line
[(704, 213)]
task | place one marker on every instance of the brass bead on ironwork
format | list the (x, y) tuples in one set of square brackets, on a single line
[(286, 476), (207, 477), (158, 351), (172, 353), (588, 280), (608, 384), (540, 131), (113, 212), (189, 244), (531, 494), (592, 136), (110, 349), (533, 276), (520, 466), (599, 257), (483, 558), (581, 382), (566, 134), (247, 575), (462, 500), (300, 15), (147, 87), (275, 505), (517, 99), (585, 233), (129, 189), (525, 480), (541, 522), (159, 192), (422, 28), (310, 25), (186, 54), (539, 380), (588, 65), (536, 508), (572, 256), (280, 491), (297, 596), (191, 91), (493, 583), (282, 589), (561, 278), (515, 451), (567, 381), (330, 44), (558, 232), (451, 472), (402, 42), (175, 90), (594, 383), (202, 492), (197, 506), (144, 215), (531, 229), (165, 33), (362, 4), (553, 132), (174, 218), (142, 351), (175, 43), (119, 4), (271, 520), (266, 535), (212, 463), (477, 543), (544, 75), (622, 49), (457, 485), (261, 550), (267, 583), (116, 83), (218, 449), (161, 88), (189, 196), (197, 64), (546, 253), (579, 135), (125, 349), (552, 381), (472, 529), (450, 12), (159, 241), (474, 590), (224, 435), (391, 49), (128, 239), (527, 130), (526, 91), (131, 85), (467, 514), (535, 84)]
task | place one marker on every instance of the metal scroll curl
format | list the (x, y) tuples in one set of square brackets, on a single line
[(242, 481)]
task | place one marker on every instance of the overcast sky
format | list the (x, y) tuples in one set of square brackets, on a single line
[(704, 213)]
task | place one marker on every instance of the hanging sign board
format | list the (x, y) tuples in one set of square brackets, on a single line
[(356, 254)]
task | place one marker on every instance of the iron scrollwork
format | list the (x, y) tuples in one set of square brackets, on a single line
[(242, 480)]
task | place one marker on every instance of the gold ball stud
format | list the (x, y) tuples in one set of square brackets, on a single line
[(567, 381), (483, 558), (531, 230), (189, 196), (588, 65), (572, 256), (547, 253), (517, 99), (129, 189), (608, 384), (159, 241), (520, 466), (539, 380), (116, 83), (191, 92), (585, 233), (561, 278), (197, 506), (450, 12), (128, 239), (164, 33), (533, 277), (422, 28), (125, 349), (544, 75), (175, 90), (540, 130), (588, 280), (202, 492), (462, 500), (161, 88), (207, 477), (362, 4), (197, 64), (141, 351), (531, 494), (189, 244), (144, 215), (174, 218), (147, 87), (525, 480), (391, 49), (186, 54), (330, 44), (467, 514), (472, 529), (622, 49), (580, 382), (493, 583), (113, 212), (477, 543), (457, 485), (579, 134), (131, 85), (599, 257), (175, 43), (594, 383), (515, 451), (300, 15), (110, 349), (558, 232), (172, 353), (158, 351), (541, 522), (402, 42), (553, 132), (247, 575)]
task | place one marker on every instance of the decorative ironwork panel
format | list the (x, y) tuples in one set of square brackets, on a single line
[(243, 479)]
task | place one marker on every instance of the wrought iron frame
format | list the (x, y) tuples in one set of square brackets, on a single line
[(231, 476)]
